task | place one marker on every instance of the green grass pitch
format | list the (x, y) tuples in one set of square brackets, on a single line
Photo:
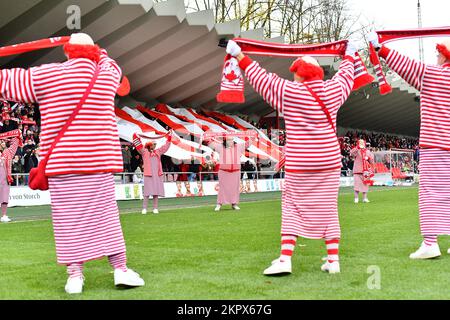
[(189, 251)]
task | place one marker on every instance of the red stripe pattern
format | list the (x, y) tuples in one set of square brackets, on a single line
[(434, 192), (332, 250), (433, 84), (311, 143), (91, 144), (309, 203), (8, 154), (434, 188), (85, 217), (287, 246)]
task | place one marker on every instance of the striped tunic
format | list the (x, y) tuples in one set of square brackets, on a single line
[(8, 154), (6, 162), (84, 209), (91, 144), (85, 217), (313, 156), (433, 82), (311, 143)]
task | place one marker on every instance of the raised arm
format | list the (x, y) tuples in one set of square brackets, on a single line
[(137, 143), (371, 157), (249, 140), (214, 144), (106, 63), (343, 79), (354, 152), (11, 151), (165, 147), (410, 70), (269, 85), (17, 85)]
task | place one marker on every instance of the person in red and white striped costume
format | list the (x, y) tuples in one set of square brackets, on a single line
[(153, 171), (6, 156), (361, 155), (434, 188), (80, 170), (313, 157)]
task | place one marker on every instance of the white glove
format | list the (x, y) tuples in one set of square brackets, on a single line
[(233, 48), (372, 37), (352, 48)]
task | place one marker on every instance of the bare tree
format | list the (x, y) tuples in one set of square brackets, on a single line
[(299, 21)]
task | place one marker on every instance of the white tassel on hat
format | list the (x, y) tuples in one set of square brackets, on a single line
[(81, 39), (310, 60)]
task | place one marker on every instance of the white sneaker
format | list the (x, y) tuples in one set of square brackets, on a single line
[(218, 207), (235, 207), (144, 211), (127, 278), (426, 252), (356, 200), (74, 285), (155, 211), (5, 219), (448, 251), (366, 201), (332, 267), (279, 267)]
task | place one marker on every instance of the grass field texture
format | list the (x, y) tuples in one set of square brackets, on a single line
[(189, 251)]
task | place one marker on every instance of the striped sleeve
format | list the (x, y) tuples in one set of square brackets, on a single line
[(11, 151), (410, 70), (109, 64), (270, 86), (343, 79), (17, 85), (137, 142), (164, 148)]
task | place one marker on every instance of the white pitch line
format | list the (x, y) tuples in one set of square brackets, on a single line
[(200, 206)]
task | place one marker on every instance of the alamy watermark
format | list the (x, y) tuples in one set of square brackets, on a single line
[(374, 280), (73, 21)]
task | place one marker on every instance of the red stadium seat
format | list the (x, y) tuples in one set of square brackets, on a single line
[(397, 174)]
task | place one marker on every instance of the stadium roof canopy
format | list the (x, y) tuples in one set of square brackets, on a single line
[(172, 57)]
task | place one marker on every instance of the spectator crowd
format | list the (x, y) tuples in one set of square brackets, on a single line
[(26, 118), (381, 142)]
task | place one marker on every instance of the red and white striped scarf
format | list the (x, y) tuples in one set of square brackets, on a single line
[(10, 134), (232, 84), (33, 46), (123, 90), (386, 36), (368, 172)]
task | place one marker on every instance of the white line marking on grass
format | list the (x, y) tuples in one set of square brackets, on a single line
[(131, 211)]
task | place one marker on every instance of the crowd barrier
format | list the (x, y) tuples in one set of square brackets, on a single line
[(129, 189)]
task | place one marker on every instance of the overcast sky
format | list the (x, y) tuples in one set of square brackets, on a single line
[(402, 14)]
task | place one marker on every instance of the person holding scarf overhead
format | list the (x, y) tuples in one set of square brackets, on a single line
[(80, 169), (230, 154), (434, 188), (363, 160), (313, 155), (153, 173), (6, 156)]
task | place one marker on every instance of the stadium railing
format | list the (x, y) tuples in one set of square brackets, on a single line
[(127, 177), (21, 179)]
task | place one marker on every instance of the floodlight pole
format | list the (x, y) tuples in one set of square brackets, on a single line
[(419, 24)]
